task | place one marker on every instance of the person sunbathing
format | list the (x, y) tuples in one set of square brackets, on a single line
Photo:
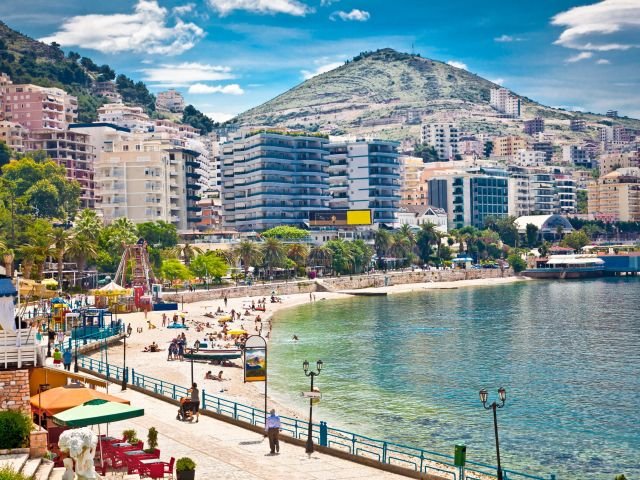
[(210, 376)]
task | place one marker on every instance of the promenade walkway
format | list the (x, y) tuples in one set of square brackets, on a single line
[(224, 451)]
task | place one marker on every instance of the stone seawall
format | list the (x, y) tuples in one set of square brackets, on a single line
[(335, 284)]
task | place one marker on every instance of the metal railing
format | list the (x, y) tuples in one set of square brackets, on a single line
[(385, 452)]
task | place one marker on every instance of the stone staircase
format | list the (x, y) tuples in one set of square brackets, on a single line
[(40, 468)]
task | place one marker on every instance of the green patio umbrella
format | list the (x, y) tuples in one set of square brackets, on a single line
[(95, 412)]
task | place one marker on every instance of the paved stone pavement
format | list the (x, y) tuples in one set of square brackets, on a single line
[(224, 451)]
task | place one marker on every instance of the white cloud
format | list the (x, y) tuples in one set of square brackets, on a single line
[(143, 31), (180, 74), (507, 38), (327, 3), (183, 9), (201, 88), (603, 26), (580, 56), (457, 64), (603, 61), (220, 116), (307, 74), (289, 7), (498, 81), (354, 15)]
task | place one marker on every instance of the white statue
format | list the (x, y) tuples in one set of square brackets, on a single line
[(69, 474), (81, 444)]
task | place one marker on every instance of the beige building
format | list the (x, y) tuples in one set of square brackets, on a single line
[(508, 147), (616, 196), (612, 161), (148, 180), (13, 134), (410, 170)]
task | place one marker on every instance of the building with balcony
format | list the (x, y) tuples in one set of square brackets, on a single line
[(505, 102), (537, 192), (579, 156), (536, 125), (13, 135), (272, 177), (107, 90), (170, 101), (73, 151), (506, 148), (471, 197), (147, 179), (38, 108), (612, 161), (411, 169), (577, 124), (365, 175), (125, 116), (443, 137), (615, 197)]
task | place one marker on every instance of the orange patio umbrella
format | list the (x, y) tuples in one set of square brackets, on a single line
[(59, 399)]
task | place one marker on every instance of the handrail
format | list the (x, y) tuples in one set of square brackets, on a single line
[(385, 452)]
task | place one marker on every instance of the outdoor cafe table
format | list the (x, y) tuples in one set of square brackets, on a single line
[(152, 467), (132, 457)]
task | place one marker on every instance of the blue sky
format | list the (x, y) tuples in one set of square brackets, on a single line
[(226, 56)]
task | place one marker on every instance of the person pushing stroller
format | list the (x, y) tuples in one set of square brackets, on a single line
[(190, 406)]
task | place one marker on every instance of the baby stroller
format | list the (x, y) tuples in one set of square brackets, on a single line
[(188, 410)]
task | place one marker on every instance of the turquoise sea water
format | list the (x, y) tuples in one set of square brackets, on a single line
[(408, 368)]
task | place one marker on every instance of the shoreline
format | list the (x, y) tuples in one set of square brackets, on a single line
[(233, 387)]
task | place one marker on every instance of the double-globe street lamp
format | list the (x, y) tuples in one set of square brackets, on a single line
[(502, 394), (312, 374)]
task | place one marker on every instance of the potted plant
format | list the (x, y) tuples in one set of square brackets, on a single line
[(130, 436), (185, 469), (152, 440)]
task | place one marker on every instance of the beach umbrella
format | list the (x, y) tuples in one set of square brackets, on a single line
[(237, 331), (59, 399), (95, 412)]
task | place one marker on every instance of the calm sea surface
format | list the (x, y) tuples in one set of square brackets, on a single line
[(408, 368)]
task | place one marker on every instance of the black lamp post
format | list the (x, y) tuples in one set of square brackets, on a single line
[(75, 340), (49, 340), (192, 351), (494, 406), (312, 374), (124, 363)]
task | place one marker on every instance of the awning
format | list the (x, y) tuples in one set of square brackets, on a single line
[(6, 288), (59, 399), (95, 412)]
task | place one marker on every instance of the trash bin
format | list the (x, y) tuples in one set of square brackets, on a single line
[(460, 455)]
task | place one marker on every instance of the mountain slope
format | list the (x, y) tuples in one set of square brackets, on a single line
[(390, 93)]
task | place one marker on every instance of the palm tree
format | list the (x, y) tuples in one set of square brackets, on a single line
[(320, 256), (406, 231), (298, 252), (229, 256), (187, 252), (382, 241), (88, 224), (249, 253), (60, 244), (274, 253), (82, 249), (427, 236)]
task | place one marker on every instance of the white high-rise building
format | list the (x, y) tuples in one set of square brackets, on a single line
[(443, 137), (125, 116), (505, 102), (170, 101)]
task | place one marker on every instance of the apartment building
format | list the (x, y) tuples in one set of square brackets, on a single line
[(38, 108), (546, 147), (577, 124), (579, 156), (616, 196), (73, 151), (470, 197), (170, 101), (365, 175), (613, 161), (507, 147), (411, 169), (443, 137), (147, 179), (125, 116), (534, 191), (505, 102), (14, 135), (274, 178), (536, 125), (107, 90), (530, 158)]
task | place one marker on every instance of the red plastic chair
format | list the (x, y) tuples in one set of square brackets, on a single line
[(168, 467)]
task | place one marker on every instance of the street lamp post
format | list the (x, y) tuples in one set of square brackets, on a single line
[(494, 406), (312, 374), (192, 351), (124, 362), (75, 340)]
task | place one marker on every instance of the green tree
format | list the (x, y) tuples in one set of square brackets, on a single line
[(516, 262), (426, 238), (274, 254), (5, 154), (576, 240), (209, 265), (249, 253), (286, 232), (187, 252), (341, 256), (320, 256), (82, 248), (532, 235), (361, 254), (87, 225), (582, 201), (173, 269), (39, 235), (60, 238), (298, 252), (194, 117), (381, 242), (159, 234), (508, 230)]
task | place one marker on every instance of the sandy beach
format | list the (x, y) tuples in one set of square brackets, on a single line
[(232, 387)]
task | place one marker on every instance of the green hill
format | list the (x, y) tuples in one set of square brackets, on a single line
[(388, 94)]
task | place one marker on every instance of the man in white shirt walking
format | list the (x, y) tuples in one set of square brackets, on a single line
[(272, 429)]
